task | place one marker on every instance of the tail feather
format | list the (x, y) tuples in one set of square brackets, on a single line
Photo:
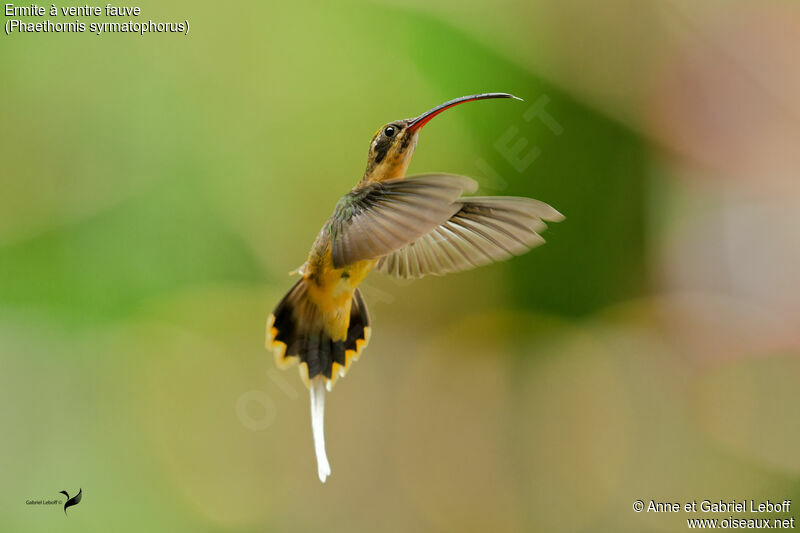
[(318, 428), (297, 331), (358, 334)]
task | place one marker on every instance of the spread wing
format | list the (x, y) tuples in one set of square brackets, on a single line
[(481, 231), (379, 218)]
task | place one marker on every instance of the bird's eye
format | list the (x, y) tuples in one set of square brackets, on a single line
[(389, 131)]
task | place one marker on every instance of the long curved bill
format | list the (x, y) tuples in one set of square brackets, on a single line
[(424, 118)]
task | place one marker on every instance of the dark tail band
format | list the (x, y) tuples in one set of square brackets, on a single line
[(297, 332)]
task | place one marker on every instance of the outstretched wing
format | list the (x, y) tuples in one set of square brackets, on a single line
[(481, 231), (379, 218)]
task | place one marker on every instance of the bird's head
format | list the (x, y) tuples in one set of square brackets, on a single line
[(393, 145)]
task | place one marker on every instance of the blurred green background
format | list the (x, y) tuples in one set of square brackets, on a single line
[(156, 190)]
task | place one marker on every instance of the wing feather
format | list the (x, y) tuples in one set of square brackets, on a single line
[(482, 230), (379, 218)]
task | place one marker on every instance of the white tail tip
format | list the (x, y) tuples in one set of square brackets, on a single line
[(318, 427)]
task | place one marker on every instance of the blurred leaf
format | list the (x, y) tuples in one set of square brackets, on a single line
[(107, 265)]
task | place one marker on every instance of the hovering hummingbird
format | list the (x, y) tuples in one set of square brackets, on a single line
[(404, 227)]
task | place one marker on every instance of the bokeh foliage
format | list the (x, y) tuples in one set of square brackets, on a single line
[(157, 189)]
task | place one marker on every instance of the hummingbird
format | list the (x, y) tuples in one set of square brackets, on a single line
[(406, 227), (75, 500)]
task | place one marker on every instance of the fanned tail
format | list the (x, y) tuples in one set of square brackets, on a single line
[(298, 331)]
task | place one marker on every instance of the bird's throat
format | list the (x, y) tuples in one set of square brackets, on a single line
[(394, 165)]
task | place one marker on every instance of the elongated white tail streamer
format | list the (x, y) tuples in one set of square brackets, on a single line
[(318, 427)]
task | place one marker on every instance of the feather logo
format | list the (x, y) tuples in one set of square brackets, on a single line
[(75, 500)]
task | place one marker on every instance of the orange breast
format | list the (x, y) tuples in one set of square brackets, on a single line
[(332, 290)]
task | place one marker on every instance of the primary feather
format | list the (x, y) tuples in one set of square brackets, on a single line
[(482, 230)]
